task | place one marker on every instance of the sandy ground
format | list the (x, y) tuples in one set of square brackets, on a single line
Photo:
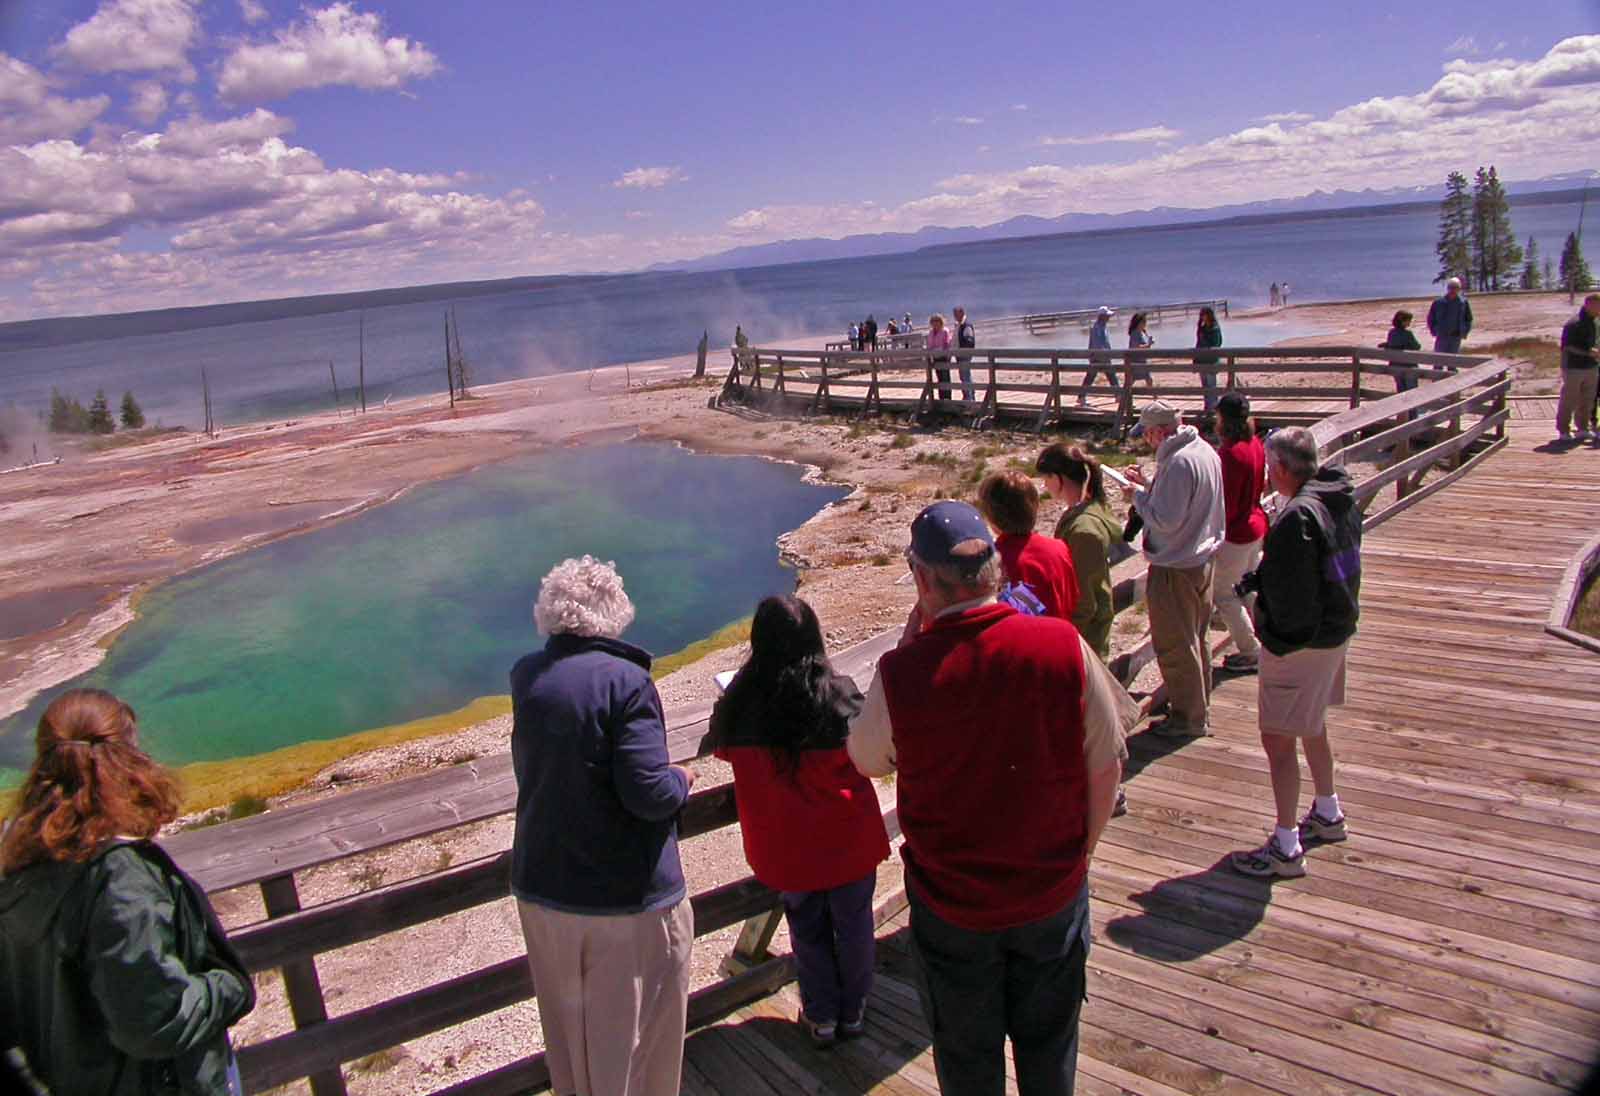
[(82, 538)]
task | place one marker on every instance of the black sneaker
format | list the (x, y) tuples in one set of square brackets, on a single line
[(1269, 860), (1173, 727), (850, 1029), (822, 1035)]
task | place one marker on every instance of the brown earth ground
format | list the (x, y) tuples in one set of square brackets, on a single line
[(82, 538)]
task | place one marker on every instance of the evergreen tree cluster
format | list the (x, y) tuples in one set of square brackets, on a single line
[(1475, 242), (69, 416)]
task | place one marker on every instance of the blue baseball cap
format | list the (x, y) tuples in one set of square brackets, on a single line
[(945, 526)]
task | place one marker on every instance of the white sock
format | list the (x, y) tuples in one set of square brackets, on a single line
[(1327, 806), (1288, 840)]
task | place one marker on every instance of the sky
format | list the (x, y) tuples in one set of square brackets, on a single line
[(156, 153)]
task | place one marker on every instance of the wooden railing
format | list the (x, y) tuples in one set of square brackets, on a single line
[(1043, 384), (268, 851), (1035, 323), (1448, 424)]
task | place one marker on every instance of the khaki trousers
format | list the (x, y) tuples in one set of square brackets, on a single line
[(1180, 611), (1233, 562), (1575, 411), (613, 995)]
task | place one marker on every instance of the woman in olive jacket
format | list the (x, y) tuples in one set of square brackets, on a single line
[(1089, 529), (115, 976)]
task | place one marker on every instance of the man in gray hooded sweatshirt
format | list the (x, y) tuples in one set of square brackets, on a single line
[(1184, 523)]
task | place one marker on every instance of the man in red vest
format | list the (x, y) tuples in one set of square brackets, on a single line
[(1005, 731)]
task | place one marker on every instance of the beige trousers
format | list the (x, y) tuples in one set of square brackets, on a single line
[(1234, 561), (1575, 410), (613, 997), (1180, 611)]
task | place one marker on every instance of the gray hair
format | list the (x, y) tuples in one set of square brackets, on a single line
[(1295, 448), (957, 583), (582, 597)]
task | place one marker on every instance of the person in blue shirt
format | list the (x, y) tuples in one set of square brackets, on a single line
[(1449, 319), (1099, 339)]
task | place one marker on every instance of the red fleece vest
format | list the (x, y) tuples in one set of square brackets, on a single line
[(987, 711)]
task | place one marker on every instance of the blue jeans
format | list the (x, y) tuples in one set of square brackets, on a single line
[(1208, 381), (1447, 344), (979, 987), (834, 944)]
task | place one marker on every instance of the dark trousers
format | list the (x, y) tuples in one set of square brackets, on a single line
[(831, 932), (979, 987)]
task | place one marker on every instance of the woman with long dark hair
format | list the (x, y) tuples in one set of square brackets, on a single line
[(1244, 480), (115, 975), (1208, 334), (1089, 528), (811, 824), (1139, 338)]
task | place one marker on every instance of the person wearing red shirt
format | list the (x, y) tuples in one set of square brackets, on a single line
[(811, 824), (1010, 502), (1244, 480)]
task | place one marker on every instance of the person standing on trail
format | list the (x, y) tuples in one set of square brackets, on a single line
[(740, 339), (1004, 730), (1450, 319), (1244, 480), (1184, 523), (1099, 340), (594, 851), (1580, 368), (966, 339), (1308, 590)]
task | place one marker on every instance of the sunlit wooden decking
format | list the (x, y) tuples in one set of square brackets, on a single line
[(1451, 945)]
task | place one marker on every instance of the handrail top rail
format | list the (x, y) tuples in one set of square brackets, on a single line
[(1329, 430), (917, 355)]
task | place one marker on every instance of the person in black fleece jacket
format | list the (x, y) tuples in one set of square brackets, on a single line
[(1308, 601)]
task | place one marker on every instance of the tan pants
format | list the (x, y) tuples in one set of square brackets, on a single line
[(1180, 610), (1233, 562), (613, 997), (1576, 408)]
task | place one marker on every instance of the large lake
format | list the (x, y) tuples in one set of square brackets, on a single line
[(422, 605)]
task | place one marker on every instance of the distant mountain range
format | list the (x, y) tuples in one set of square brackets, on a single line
[(1316, 203)]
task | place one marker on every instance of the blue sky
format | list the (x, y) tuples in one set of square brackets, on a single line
[(161, 152)]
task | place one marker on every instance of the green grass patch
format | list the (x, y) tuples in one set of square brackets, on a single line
[(1544, 354), (902, 441), (730, 636)]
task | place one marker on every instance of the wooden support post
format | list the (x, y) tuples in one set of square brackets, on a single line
[(778, 386), (1052, 398), (300, 980), (926, 397), (874, 393), (1355, 381), (750, 950), (990, 408)]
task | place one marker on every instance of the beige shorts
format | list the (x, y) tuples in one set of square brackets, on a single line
[(1297, 689)]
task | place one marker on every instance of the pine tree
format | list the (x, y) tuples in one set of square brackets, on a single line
[(132, 413), (60, 421), (1502, 253), (1575, 277), (1455, 230), (1549, 274), (1530, 266), (1479, 233), (100, 420)]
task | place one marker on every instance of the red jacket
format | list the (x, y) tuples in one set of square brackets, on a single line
[(986, 708), (812, 829), (1045, 565), (1244, 479)]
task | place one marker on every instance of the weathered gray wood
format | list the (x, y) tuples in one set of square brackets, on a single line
[(300, 982)]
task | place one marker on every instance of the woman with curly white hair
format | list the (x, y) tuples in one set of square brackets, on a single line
[(594, 863)]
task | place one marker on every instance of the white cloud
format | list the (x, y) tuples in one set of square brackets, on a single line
[(135, 36), (1019, 106), (1464, 46), (30, 112), (147, 101), (1289, 116), (253, 11), (1130, 136), (636, 215), (333, 45), (649, 178), (967, 120)]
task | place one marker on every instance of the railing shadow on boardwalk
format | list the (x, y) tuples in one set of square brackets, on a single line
[(1464, 411)]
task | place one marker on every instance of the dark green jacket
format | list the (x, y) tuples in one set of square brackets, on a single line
[(115, 976), (1089, 530)]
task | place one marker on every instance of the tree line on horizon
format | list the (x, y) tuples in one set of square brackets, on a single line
[(1477, 245), (68, 416)]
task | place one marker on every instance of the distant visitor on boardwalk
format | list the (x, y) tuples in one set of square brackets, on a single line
[(1181, 506), (1139, 338), (966, 339), (1307, 593), (1401, 337), (115, 975), (1450, 319), (1099, 360), (740, 339), (1004, 731), (1208, 335), (1580, 366), (594, 858), (811, 824)]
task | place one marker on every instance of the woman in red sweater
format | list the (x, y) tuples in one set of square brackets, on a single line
[(1010, 503), (811, 823), (1244, 479)]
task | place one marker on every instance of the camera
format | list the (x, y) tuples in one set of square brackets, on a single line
[(1248, 585)]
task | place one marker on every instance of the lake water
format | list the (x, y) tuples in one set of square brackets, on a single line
[(422, 605), (280, 367)]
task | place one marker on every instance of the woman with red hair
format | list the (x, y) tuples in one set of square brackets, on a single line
[(115, 975)]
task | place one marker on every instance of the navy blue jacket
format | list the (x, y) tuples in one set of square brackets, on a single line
[(597, 801), (1450, 317)]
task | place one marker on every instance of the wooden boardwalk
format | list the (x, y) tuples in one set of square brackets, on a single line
[(1452, 945)]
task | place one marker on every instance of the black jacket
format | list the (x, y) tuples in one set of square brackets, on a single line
[(1310, 573), (1577, 339), (597, 800)]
